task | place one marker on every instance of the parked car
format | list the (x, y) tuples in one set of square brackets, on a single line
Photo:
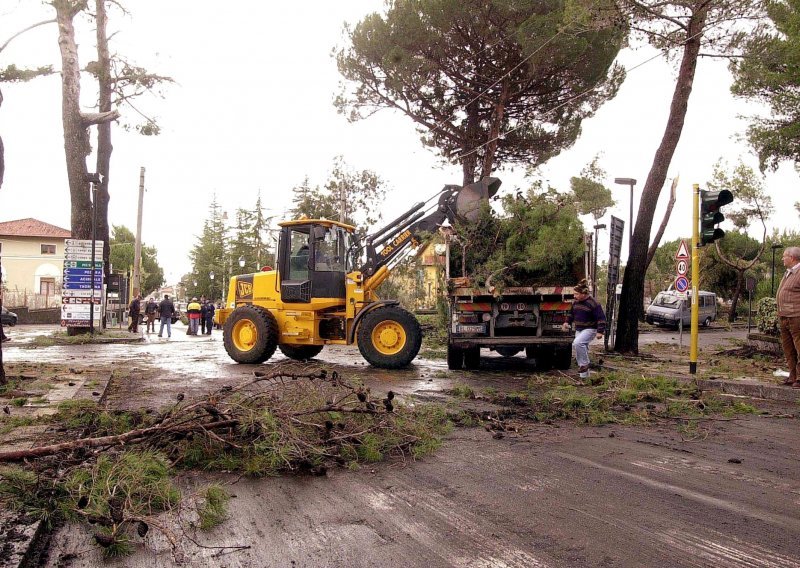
[(8, 318), (669, 308)]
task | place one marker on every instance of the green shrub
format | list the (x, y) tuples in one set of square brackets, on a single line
[(767, 316)]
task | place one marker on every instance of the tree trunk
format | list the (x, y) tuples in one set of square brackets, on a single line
[(651, 252), (737, 293), (632, 298), (76, 135), (494, 131), (104, 147)]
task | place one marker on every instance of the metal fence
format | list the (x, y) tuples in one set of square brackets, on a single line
[(29, 299)]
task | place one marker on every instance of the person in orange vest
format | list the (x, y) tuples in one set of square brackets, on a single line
[(193, 311)]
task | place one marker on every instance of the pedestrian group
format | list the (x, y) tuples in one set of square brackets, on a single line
[(199, 312)]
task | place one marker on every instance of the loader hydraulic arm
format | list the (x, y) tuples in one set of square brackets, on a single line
[(454, 202)]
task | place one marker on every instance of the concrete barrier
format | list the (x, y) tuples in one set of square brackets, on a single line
[(44, 316)]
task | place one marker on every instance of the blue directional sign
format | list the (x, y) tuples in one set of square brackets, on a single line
[(98, 279), (81, 272), (86, 286)]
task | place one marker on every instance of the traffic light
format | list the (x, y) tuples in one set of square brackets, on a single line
[(710, 215)]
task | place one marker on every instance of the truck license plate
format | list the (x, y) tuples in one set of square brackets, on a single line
[(477, 328)]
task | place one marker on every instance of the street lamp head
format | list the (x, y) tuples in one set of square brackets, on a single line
[(211, 275), (777, 246), (195, 282), (600, 226), (241, 261), (625, 181)]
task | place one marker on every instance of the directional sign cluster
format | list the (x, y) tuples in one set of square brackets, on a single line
[(80, 290)]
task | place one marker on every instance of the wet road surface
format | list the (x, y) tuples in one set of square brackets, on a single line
[(546, 496)]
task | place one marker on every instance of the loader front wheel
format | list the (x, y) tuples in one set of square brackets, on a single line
[(389, 337), (300, 352), (250, 334)]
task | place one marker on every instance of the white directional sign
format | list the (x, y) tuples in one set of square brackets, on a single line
[(79, 279)]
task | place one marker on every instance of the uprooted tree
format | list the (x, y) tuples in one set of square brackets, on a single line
[(113, 469), (487, 83)]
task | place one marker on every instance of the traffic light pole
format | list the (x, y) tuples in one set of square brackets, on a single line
[(695, 279)]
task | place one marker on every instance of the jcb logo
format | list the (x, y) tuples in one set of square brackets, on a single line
[(244, 289)]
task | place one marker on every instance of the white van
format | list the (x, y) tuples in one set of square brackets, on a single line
[(669, 308)]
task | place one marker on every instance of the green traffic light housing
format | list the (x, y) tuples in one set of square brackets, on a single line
[(710, 215)]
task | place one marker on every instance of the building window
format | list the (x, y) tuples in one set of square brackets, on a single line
[(48, 249), (47, 286)]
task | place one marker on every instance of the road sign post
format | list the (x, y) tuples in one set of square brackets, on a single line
[(695, 279)]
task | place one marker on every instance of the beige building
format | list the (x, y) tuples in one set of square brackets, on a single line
[(33, 262)]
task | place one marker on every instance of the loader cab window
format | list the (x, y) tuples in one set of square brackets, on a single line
[(299, 252), (330, 250)]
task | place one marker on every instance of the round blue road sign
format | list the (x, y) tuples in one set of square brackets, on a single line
[(681, 284)]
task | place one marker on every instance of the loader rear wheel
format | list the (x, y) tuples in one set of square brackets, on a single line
[(300, 352), (250, 334), (455, 358), (389, 337)]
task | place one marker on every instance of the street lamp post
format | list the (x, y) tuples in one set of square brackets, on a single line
[(94, 180), (594, 269), (772, 285), (631, 182)]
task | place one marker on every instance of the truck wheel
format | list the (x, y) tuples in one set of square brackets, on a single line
[(250, 334), (455, 358), (472, 358), (300, 352), (530, 352), (507, 350), (563, 357), (543, 354), (389, 337), (707, 322)]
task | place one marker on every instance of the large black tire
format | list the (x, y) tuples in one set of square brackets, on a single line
[(707, 322), (250, 334), (455, 358), (472, 358), (530, 352), (543, 354), (508, 350), (300, 352), (563, 357), (389, 337)]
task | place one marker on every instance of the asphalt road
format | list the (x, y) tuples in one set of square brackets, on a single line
[(557, 495)]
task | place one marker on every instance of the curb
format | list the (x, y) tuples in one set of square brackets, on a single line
[(752, 388)]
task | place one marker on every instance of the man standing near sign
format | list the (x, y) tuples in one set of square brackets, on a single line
[(788, 299), (133, 312)]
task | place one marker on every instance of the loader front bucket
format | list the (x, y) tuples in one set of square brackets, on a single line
[(469, 198)]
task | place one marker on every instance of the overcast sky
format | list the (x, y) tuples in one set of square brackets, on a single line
[(252, 110)]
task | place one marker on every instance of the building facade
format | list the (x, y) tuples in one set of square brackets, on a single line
[(32, 254)]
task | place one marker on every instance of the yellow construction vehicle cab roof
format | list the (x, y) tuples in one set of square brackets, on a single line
[(324, 222)]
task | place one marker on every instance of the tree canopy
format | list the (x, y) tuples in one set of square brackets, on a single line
[(121, 255), (363, 194), (769, 72), (487, 82)]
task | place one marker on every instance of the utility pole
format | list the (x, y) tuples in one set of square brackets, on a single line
[(137, 259), (342, 203)]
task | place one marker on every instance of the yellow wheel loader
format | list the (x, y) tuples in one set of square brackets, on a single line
[(323, 289)]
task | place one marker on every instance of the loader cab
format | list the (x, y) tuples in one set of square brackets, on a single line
[(314, 255)]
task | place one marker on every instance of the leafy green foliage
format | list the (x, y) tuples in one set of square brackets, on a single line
[(122, 255), (767, 316), (485, 82), (13, 74), (537, 240), (768, 73), (214, 508), (592, 196)]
